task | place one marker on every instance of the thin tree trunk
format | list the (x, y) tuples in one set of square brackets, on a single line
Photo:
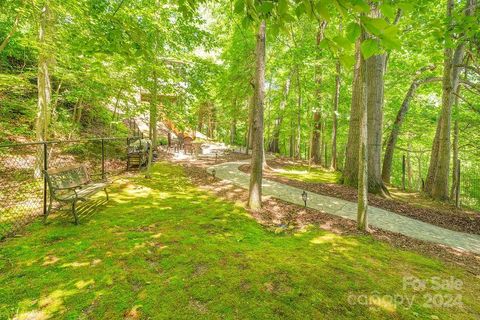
[(315, 148), (5, 41), (456, 132), (274, 142), (420, 175), (201, 111), (350, 174), (336, 97), (153, 123), (233, 132), (256, 175), (298, 134), (409, 167), (292, 139), (250, 124), (397, 125)]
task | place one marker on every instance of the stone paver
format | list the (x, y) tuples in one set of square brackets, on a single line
[(377, 217)]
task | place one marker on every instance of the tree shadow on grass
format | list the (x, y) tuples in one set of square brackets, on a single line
[(85, 211)]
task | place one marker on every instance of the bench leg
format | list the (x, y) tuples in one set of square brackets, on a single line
[(106, 193), (74, 211)]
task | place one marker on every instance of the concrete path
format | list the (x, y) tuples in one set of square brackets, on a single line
[(377, 217)]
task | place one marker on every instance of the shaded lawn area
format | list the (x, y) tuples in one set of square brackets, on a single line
[(309, 174), (162, 248)]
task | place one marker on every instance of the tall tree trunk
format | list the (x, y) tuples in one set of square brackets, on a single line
[(274, 142), (251, 108), (336, 97), (363, 168), (292, 139), (315, 145), (201, 111), (233, 125), (43, 78), (409, 167), (153, 123), (375, 68), (43, 86), (257, 162), (439, 170), (456, 132), (350, 174), (298, 134), (233, 132)]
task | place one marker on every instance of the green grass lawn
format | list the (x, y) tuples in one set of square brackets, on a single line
[(306, 174), (163, 249)]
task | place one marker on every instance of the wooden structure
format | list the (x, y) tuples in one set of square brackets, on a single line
[(137, 154)]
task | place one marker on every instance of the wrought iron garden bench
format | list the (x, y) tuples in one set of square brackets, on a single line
[(72, 184)]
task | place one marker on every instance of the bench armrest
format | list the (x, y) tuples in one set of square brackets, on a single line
[(68, 188)]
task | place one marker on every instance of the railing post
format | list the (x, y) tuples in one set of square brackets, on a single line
[(45, 168), (103, 159)]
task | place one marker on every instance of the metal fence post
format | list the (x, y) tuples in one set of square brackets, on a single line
[(403, 171), (45, 168), (103, 159)]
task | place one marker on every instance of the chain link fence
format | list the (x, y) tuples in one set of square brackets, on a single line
[(23, 191)]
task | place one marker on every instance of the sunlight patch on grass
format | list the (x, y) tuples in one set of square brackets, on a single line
[(384, 303), (326, 238), (306, 174)]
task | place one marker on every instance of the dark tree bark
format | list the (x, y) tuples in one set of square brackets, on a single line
[(256, 175)]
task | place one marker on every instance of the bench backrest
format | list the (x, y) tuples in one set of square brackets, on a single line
[(67, 177)]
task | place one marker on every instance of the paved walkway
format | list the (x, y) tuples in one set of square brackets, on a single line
[(377, 217)]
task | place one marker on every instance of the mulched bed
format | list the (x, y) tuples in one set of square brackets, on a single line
[(281, 216), (452, 219)]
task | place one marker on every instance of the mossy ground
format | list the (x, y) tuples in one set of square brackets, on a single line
[(163, 249), (312, 174)]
